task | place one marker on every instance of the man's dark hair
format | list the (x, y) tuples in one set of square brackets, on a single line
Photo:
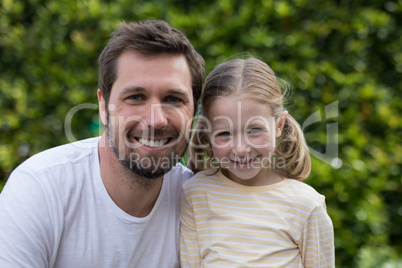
[(150, 37)]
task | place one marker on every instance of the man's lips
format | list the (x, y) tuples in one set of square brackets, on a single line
[(153, 138), (154, 143)]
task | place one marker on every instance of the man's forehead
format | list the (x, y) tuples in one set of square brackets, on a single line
[(176, 80)]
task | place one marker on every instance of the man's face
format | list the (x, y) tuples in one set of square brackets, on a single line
[(149, 113)]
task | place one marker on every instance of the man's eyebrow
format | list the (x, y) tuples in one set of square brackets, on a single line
[(138, 90), (130, 90), (178, 92)]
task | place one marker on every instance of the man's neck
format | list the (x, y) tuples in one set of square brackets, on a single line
[(133, 194)]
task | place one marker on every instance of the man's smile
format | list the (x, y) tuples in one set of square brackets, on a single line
[(153, 143)]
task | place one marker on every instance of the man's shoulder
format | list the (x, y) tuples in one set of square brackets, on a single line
[(61, 170), (179, 173), (61, 155)]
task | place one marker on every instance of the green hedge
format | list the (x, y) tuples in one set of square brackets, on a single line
[(343, 55)]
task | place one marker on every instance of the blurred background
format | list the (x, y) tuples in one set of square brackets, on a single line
[(343, 59)]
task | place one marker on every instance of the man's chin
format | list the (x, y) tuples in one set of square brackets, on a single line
[(151, 166), (149, 173)]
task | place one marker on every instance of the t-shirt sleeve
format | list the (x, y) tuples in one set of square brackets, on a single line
[(317, 244), (25, 222), (189, 247)]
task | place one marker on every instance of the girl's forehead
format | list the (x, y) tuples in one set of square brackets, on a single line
[(242, 102), (238, 110)]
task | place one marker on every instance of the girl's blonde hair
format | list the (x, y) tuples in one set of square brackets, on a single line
[(256, 79)]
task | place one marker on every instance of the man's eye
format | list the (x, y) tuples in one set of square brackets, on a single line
[(173, 99), (135, 97)]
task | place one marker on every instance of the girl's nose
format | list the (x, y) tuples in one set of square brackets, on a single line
[(241, 147)]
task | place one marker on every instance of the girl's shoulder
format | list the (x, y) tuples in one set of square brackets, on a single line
[(301, 190), (204, 178)]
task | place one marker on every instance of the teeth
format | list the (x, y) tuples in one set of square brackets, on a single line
[(153, 143), (244, 161)]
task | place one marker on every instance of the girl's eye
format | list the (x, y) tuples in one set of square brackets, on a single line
[(254, 130), (225, 133)]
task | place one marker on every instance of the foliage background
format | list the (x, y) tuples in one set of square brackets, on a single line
[(345, 51)]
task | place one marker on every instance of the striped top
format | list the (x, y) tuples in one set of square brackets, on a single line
[(225, 224)]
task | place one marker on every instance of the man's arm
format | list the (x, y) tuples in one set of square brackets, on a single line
[(26, 232)]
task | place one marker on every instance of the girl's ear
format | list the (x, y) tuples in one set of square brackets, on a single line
[(204, 124), (281, 123)]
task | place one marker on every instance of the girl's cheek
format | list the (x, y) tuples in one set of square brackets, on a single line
[(262, 141), (221, 142)]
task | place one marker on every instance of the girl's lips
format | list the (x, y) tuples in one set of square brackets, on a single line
[(243, 164)]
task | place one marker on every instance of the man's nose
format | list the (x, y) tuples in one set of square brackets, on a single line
[(158, 117)]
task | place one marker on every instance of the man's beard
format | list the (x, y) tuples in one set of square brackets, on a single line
[(152, 166)]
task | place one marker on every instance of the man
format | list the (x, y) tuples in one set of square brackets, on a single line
[(115, 204)]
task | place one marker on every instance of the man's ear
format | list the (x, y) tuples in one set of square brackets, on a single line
[(102, 108), (281, 123)]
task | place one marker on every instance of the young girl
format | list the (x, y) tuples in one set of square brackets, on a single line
[(247, 207)]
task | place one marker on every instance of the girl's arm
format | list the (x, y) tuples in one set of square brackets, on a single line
[(317, 244), (189, 247)]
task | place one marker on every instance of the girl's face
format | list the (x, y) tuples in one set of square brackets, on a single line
[(242, 133)]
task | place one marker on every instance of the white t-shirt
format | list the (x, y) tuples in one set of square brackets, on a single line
[(55, 212)]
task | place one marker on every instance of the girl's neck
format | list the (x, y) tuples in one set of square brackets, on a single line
[(265, 177)]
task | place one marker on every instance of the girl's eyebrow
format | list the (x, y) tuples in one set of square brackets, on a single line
[(258, 123)]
